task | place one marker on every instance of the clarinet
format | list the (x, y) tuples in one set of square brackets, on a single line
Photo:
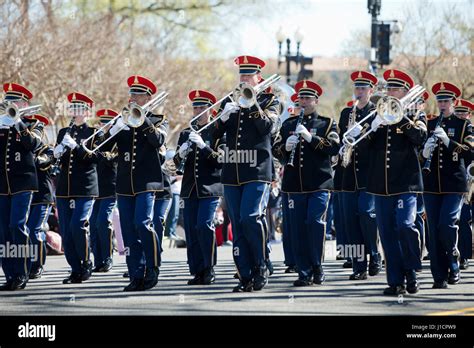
[(180, 169), (56, 167), (427, 166), (292, 154)]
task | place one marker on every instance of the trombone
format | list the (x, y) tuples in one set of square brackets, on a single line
[(244, 94), (133, 115), (390, 109)]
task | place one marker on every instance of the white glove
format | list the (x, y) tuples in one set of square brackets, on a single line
[(376, 123), (291, 142), (8, 121), (183, 149), (196, 138), (118, 126), (441, 135), (301, 130), (228, 109), (430, 145), (356, 131), (69, 141), (58, 151)]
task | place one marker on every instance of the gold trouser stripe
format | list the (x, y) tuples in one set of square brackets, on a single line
[(89, 213)]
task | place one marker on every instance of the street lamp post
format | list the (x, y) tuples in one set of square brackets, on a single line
[(298, 58)]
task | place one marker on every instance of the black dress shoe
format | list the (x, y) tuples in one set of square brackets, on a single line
[(290, 269), (197, 280), (464, 264), (303, 282), (260, 278), (440, 285), (7, 286), (151, 278), (412, 282), (135, 285), (244, 286), (394, 290), (374, 268), (358, 276), (86, 270), (36, 273), (347, 264), (318, 275), (18, 283), (74, 278), (105, 267), (208, 276), (269, 267), (126, 275), (453, 278)]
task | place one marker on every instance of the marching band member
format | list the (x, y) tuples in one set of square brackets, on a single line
[(18, 181), (396, 179), (76, 188), (290, 261), (309, 180), (43, 199), (139, 177), (162, 201), (101, 230), (463, 109), (247, 178), (358, 204), (201, 188), (420, 204), (450, 148), (342, 238)]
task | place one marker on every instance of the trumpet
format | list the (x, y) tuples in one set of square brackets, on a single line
[(470, 183), (390, 109), (133, 115), (13, 112)]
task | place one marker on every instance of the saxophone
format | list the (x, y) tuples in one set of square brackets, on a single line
[(346, 153), (470, 183)]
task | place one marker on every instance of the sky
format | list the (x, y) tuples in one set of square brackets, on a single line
[(326, 25)]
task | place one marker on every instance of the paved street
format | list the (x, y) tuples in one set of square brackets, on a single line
[(102, 294)]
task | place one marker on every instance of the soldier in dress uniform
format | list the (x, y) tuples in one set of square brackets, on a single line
[(420, 204), (342, 238), (139, 177), (450, 144), (247, 173), (162, 201), (77, 187), (101, 231), (463, 109), (395, 181), (43, 199), (358, 204), (201, 188), (18, 181), (309, 181), (290, 260)]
